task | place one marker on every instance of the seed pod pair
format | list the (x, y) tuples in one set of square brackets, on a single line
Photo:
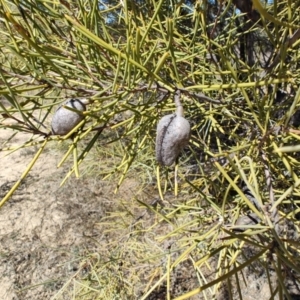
[(64, 120), (173, 134)]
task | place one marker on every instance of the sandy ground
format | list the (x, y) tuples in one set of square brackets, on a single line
[(45, 230)]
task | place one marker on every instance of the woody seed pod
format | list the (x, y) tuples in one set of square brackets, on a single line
[(173, 134), (64, 120)]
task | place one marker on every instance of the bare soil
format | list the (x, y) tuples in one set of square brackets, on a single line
[(45, 229)]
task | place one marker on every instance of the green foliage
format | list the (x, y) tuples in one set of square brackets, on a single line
[(128, 58)]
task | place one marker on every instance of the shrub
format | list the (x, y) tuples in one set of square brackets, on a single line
[(237, 73)]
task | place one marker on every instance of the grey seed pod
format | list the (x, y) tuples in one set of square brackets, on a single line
[(64, 120), (173, 134)]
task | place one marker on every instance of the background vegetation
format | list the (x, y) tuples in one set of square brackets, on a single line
[(237, 209)]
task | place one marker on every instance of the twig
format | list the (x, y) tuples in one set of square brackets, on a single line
[(200, 96), (287, 44), (275, 215)]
